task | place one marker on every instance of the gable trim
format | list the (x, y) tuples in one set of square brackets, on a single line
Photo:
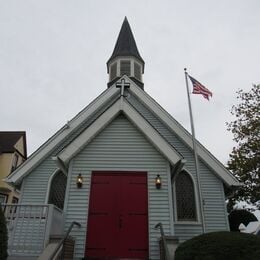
[(84, 138), (153, 136), (40, 154), (203, 153), (135, 118)]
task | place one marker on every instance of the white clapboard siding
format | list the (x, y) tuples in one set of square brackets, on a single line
[(35, 185), (120, 146)]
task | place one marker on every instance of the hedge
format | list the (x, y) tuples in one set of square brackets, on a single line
[(220, 246)]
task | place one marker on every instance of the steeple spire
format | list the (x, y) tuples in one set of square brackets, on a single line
[(125, 59), (125, 44)]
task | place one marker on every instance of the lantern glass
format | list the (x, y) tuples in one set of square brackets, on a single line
[(158, 181), (79, 181)]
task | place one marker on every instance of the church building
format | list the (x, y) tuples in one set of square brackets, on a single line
[(114, 172)]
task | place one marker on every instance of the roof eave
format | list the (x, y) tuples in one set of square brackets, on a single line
[(43, 151), (203, 153), (133, 116)]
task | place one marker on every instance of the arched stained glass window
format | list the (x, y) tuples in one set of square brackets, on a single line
[(58, 189), (185, 198)]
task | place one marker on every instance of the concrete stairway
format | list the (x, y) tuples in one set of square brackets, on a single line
[(65, 252)]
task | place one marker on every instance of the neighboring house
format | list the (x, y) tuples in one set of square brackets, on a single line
[(12, 154), (252, 228), (119, 167)]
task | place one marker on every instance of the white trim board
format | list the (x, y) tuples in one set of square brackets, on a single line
[(140, 123)]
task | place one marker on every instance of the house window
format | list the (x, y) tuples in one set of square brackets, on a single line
[(125, 67), (185, 198), (15, 200), (58, 189), (3, 198), (137, 70), (113, 70), (15, 162)]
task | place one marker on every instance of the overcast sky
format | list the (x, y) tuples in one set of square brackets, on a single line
[(53, 60)]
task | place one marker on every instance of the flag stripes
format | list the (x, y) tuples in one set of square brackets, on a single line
[(198, 88)]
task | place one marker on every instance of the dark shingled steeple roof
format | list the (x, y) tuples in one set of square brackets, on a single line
[(125, 45)]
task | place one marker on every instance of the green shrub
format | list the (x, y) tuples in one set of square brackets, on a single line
[(3, 236), (238, 216), (220, 246)]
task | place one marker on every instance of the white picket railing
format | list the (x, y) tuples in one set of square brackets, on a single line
[(30, 226)]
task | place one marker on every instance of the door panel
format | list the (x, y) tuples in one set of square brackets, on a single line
[(118, 219), (133, 208)]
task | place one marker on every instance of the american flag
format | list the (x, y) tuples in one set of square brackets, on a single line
[(198, 88)]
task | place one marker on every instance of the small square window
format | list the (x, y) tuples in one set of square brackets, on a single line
[(125, 67), (137, 70), (3, 198), (113, 70), (15, 162)]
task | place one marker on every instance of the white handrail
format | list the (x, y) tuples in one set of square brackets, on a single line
[(29, 227)]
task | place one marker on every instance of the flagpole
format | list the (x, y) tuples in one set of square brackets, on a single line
[(195, 153)]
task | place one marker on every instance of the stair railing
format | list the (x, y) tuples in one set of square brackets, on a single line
[(64, 239), (165, 247)]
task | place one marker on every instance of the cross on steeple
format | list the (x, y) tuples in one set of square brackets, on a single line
[(122, 85)]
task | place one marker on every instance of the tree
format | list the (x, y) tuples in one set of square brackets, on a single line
[(3, 235), (244, 160)]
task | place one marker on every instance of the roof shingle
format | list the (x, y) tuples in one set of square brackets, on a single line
[(125, 44)]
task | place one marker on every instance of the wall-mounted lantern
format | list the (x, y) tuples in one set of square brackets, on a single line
[(158, 181), (79, 181)]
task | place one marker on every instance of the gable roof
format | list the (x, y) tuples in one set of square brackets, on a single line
[(124, 107), (43, 151), (125, 44), (8, 139), (131, 113), (186, 137)]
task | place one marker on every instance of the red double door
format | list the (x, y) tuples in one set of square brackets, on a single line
[(118, 220)]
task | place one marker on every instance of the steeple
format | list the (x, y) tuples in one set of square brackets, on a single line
[(125, 59)]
